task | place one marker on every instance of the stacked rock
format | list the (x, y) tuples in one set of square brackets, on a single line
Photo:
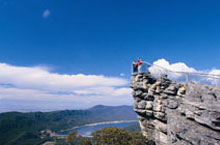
[(167, 110)]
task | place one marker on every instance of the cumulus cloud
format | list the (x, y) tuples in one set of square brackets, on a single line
[(214, 72), (39, 84), (162, 66), (46, 13)]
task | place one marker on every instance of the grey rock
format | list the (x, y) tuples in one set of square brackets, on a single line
[(135, 106), (172, 104), (172, 113), (171, 90), (157, 108), (164, 96), (149, 113), (149, 97), (160, 116), (138, 93), (142, 104), (149, 105)]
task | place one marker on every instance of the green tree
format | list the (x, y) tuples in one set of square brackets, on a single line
[(137, 139), (86, 141), (71, 138), (116, 136)]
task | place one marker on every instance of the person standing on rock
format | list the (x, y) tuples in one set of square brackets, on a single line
[(139, 63), (135, 67)]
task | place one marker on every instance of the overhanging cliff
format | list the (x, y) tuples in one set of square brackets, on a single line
[(172, 113)]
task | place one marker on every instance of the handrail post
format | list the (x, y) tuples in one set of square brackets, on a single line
[(216, 82), (187, 77)]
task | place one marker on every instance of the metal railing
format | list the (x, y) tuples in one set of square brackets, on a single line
[(182, 76)]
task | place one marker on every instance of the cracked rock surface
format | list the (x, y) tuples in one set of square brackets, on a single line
[(172, 113)]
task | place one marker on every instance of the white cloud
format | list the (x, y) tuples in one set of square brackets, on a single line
[(122, 91), (182, 67), (46, 13), (214, 72), (176, 67), (39, 84), (122, 74), (41, 79)]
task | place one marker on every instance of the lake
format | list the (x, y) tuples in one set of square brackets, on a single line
[(88, 129)]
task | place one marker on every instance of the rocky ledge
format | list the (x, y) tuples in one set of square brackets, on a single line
[(172, 113)]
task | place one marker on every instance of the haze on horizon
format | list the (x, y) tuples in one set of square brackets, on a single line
[(57, 55)]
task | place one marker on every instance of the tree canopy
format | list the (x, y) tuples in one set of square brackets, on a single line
[(116, 136)]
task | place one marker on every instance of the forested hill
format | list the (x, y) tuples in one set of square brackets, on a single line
[(24, 128)]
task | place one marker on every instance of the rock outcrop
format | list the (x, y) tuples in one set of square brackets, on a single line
[(172, 113)]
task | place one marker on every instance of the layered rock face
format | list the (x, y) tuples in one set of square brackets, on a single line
[(172, 113)]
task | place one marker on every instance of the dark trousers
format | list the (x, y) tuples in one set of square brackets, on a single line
[(135, 68)]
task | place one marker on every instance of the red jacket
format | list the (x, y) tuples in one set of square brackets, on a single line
[(139, 62)]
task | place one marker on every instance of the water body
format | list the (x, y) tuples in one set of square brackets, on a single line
[(88, 129)]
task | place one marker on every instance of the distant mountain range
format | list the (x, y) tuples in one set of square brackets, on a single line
[(24, 128)]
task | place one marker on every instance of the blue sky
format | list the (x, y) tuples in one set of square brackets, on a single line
[(101, 38)]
